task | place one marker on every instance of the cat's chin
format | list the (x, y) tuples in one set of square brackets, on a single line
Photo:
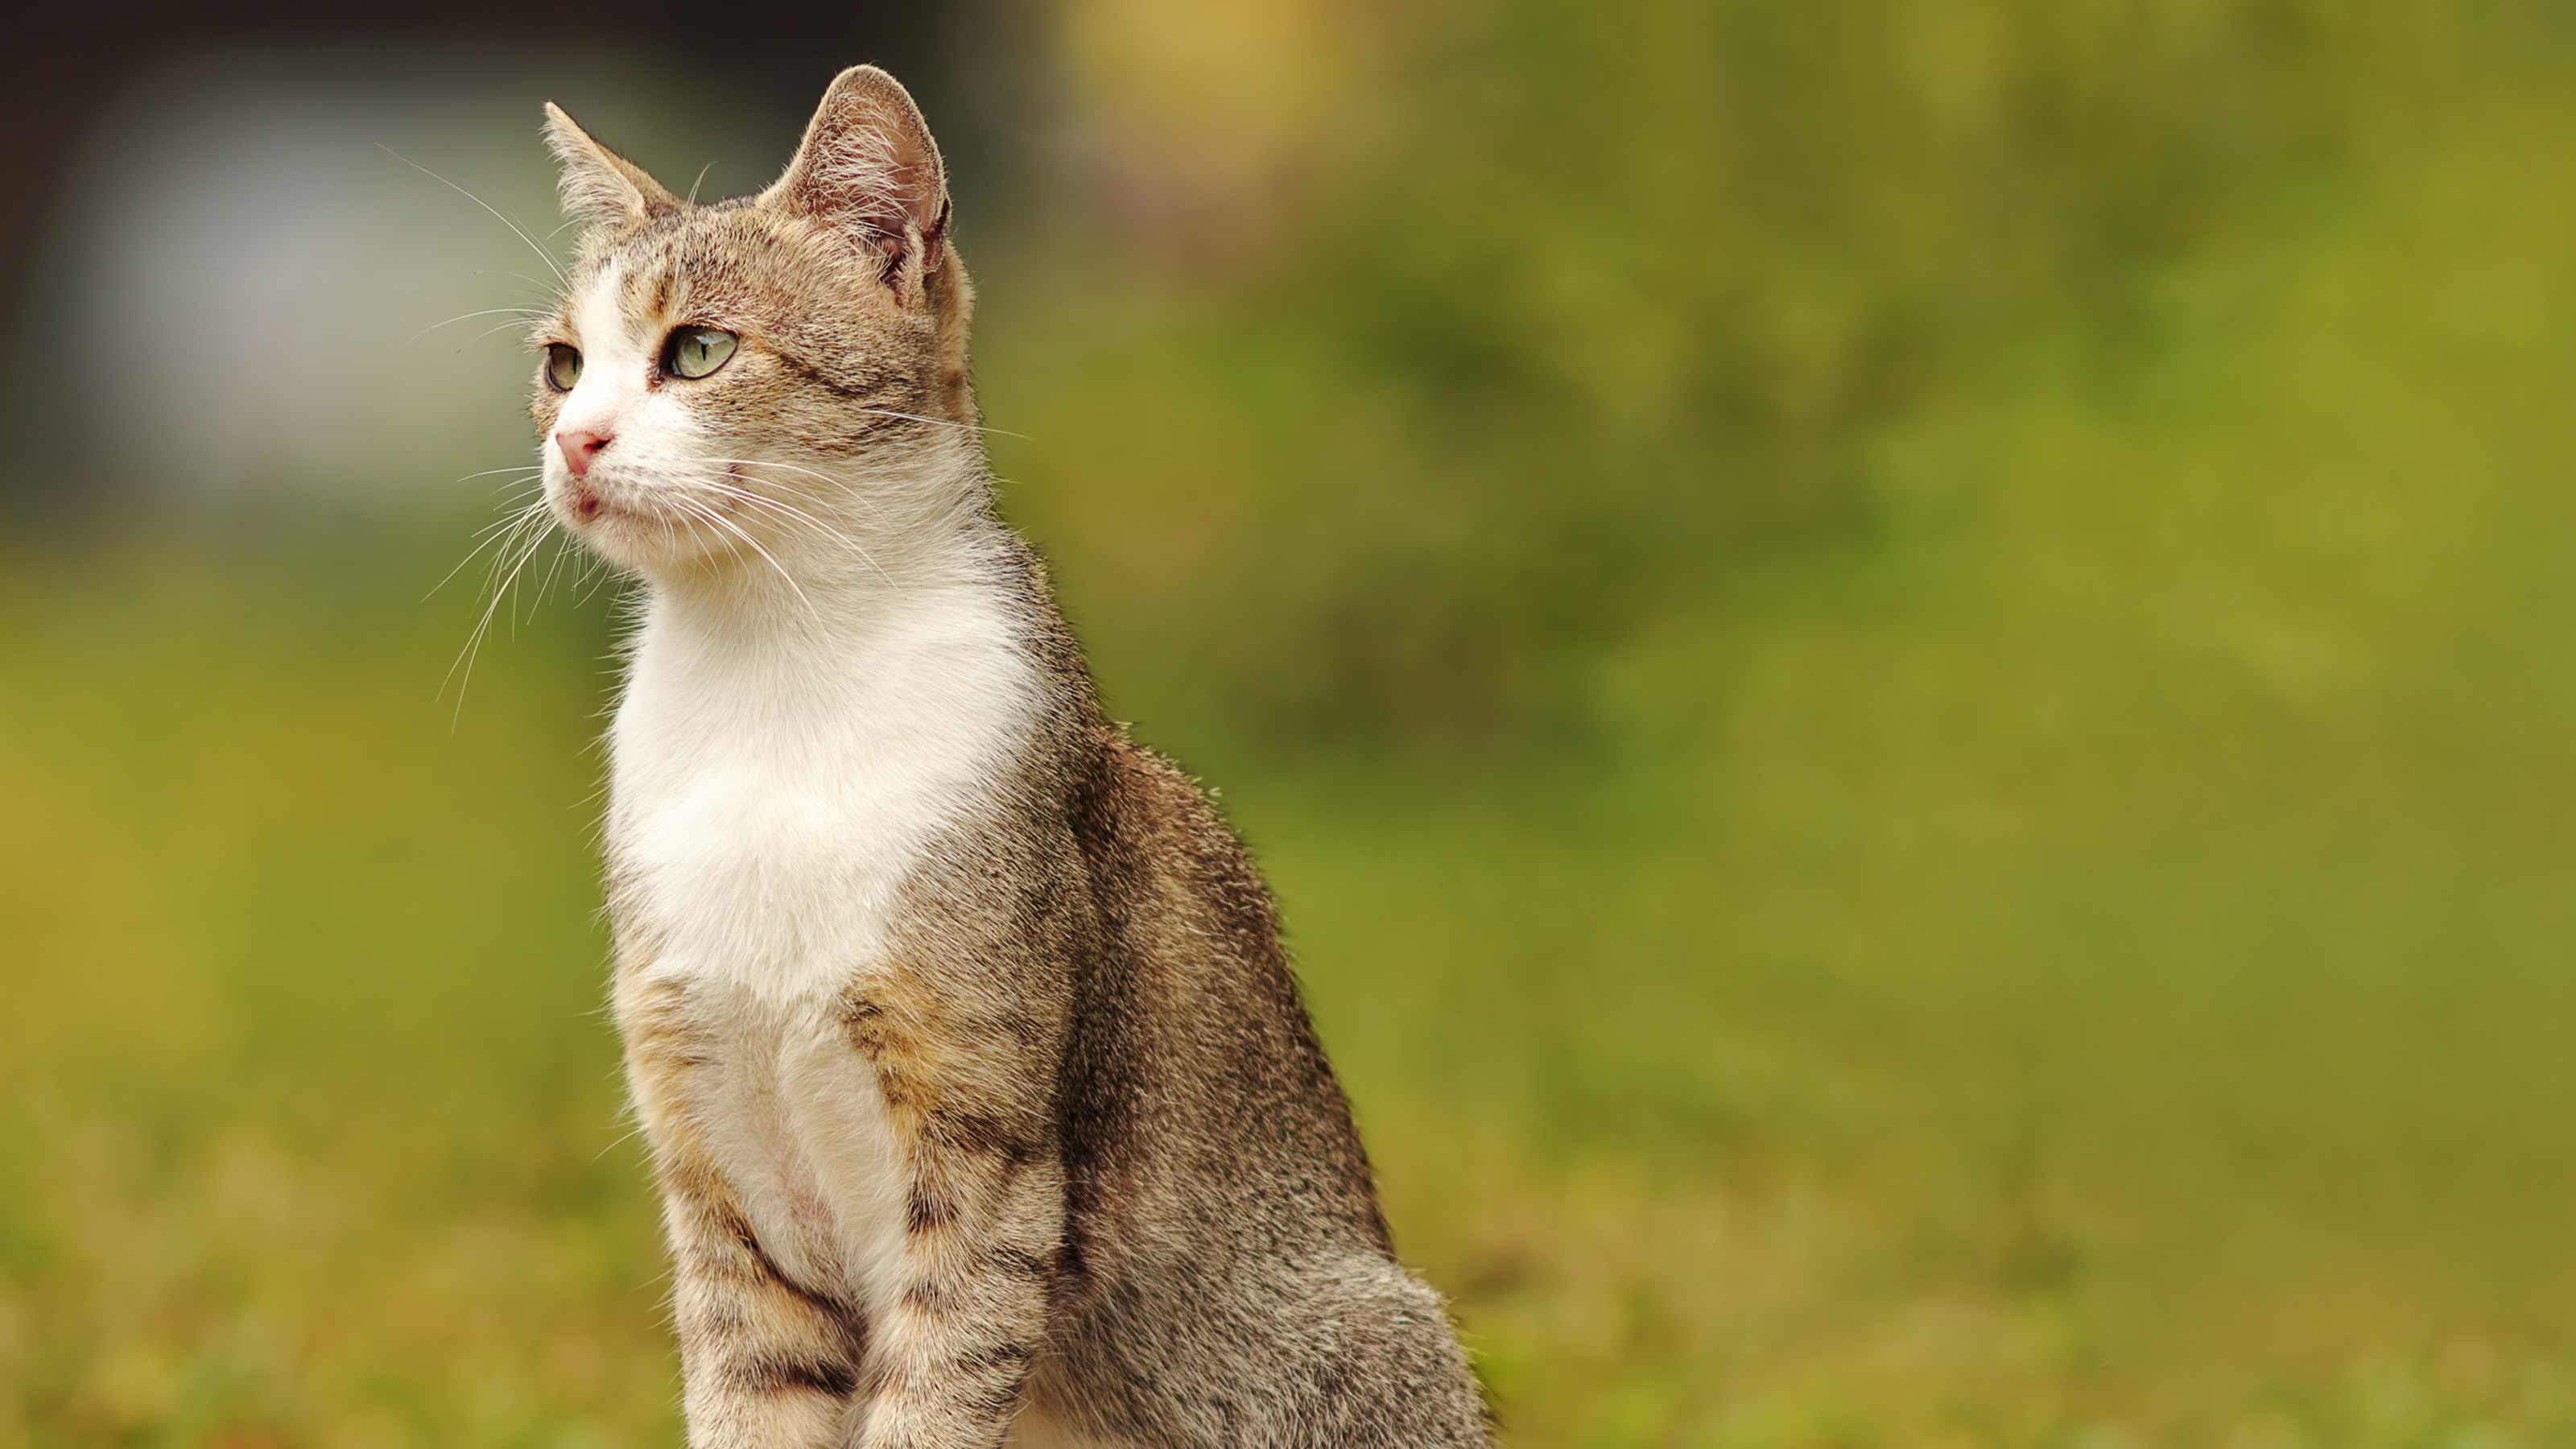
[(630, 534)]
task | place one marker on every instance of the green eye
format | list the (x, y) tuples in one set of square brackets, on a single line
[(563, 366), (696, 351)]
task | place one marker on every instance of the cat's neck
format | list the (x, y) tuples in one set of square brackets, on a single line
[(892, 625), (791, 740), (787, 603), (910, 543)]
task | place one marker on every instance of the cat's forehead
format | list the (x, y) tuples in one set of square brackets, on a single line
[(728, 263)]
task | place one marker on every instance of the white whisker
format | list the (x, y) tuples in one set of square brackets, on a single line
[(553, 567), (517, 517), (486, 312), (942, 422), (488, 331), (594, 573), (842, 488), (788, 510), (757, 500), (489, 535), (474, 641), (515, 228), (549, 293), (728, 525)]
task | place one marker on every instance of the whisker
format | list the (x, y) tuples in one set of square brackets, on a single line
[(791, 467), (841, 486), (942, 422), (729, 526), (539, 537), (537, 282), (553, 567), (489, 535), (594, 573), (482, 626), (516, 520), (488, 331), (487, 206), (785, 510), (789, 510), (486, 312), (747, 495), (698, 512), (516, 510)]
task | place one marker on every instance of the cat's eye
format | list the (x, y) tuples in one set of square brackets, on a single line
[(696, 351), (563, 366)]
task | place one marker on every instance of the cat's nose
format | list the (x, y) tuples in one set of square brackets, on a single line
[(579, 448)]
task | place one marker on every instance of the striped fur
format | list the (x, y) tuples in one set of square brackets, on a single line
[(982, 1101)]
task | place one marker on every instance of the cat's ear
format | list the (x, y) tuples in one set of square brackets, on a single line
[(868, 167), (599, 186)]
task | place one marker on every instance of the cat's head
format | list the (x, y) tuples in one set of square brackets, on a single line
[(767, 377)]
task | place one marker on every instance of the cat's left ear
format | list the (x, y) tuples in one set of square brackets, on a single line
[(599, 186), (868, 168)]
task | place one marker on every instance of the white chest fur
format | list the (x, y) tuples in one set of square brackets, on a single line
[(776, 777)]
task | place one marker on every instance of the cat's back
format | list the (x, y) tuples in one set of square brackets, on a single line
[(1202, 1078), (1214, 1176)]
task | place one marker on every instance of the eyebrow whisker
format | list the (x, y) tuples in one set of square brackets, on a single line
[(486, 312), (516, 229)]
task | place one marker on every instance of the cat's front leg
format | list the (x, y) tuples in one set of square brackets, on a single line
[(983, 1232), (764, 1362)]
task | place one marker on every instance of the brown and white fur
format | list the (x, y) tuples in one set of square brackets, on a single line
[(980, 1094)]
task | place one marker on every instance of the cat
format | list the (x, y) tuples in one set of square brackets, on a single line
[(981, 1097)]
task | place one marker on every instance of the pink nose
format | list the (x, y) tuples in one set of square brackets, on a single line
[(578, 449)]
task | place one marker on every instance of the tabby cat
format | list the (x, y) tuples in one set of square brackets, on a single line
[(981, 1098)]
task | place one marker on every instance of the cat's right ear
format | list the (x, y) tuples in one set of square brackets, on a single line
[(868, 168), (599, 186)]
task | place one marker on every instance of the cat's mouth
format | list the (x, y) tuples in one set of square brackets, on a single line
[(591, 503), (626, 522), (602, 512)]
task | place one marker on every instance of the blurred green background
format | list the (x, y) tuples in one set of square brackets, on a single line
[(1903, 666)]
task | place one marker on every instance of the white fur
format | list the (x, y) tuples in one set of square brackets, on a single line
[(785, 751), (774, 786), (611, 398)]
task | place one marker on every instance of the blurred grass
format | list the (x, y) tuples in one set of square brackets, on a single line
[(1903, 667), (308, 1117)]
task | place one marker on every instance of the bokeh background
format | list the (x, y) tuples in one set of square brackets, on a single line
[(1905, 666)]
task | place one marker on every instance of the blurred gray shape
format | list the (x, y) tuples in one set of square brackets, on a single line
[(274, 275)]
